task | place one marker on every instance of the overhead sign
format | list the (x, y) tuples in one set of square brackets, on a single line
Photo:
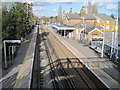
[(97, 39)]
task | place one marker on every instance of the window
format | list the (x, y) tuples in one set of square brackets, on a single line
[(107, 22), (107, 27), (116, 27), (94, 35), (98, 21), (76, 31), (102, 26)]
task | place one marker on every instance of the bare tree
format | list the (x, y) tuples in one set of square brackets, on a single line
[(94, 9), (89, 7), (60, 15)]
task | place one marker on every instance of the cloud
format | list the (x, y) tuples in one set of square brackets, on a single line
[(37, 8), (85, 4), (100, 4), (33, 1), (43, 3), (55, 10), (112, 7), (60, 1), (50, 3)]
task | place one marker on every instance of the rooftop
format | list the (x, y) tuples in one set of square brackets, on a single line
[(73, 16), (103, 17), (63, 27), (88, 16), (89, 26), (77, 16)]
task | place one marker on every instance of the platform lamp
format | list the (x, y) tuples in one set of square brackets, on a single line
[(83, 27), (102, 51), (116, 39)]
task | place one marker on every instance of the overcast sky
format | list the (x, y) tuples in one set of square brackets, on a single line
[(50, 7)]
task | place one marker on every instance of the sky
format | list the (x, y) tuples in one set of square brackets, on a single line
[(50, 7)]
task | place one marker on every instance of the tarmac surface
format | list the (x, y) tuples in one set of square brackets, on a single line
[(9, 75)]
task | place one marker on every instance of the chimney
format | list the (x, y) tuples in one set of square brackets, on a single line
[(70, 10)]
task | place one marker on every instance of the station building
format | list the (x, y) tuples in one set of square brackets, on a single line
[(90, 28)]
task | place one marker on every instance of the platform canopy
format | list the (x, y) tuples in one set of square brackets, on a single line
[(12, 42), (63, 27)]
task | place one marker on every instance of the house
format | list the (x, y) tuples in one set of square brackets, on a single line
[(94, 35), (71, 18), (105, 21), (87, 32)]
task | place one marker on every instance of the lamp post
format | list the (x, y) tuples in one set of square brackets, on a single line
[(84, 29), (116, 40), (102, 51), (114, 47)]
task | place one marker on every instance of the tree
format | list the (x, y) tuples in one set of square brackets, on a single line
[(94, 9), (89, 7), (112, 16), (4, 22), (51, 17), (17, 21)]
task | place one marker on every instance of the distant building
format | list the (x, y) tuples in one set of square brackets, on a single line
[(88, 33), (73, 18), (44, 19), (83, 12), (105, 21), (70, 10), (95, 22)]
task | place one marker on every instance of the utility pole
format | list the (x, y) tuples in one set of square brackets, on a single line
[(83, 36), (116, 40), (112, 47), (85, 33), (102, 53)]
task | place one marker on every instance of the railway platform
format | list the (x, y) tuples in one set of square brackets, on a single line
[(24, 76), (9, 76), (103, 68)]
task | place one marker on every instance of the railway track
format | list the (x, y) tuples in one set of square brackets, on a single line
[(50, 60), (54, 73), (69, 65)]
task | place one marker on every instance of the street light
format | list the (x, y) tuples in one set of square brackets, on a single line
[(116, 39), (114, 47), (102, 51), (83, 27)]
